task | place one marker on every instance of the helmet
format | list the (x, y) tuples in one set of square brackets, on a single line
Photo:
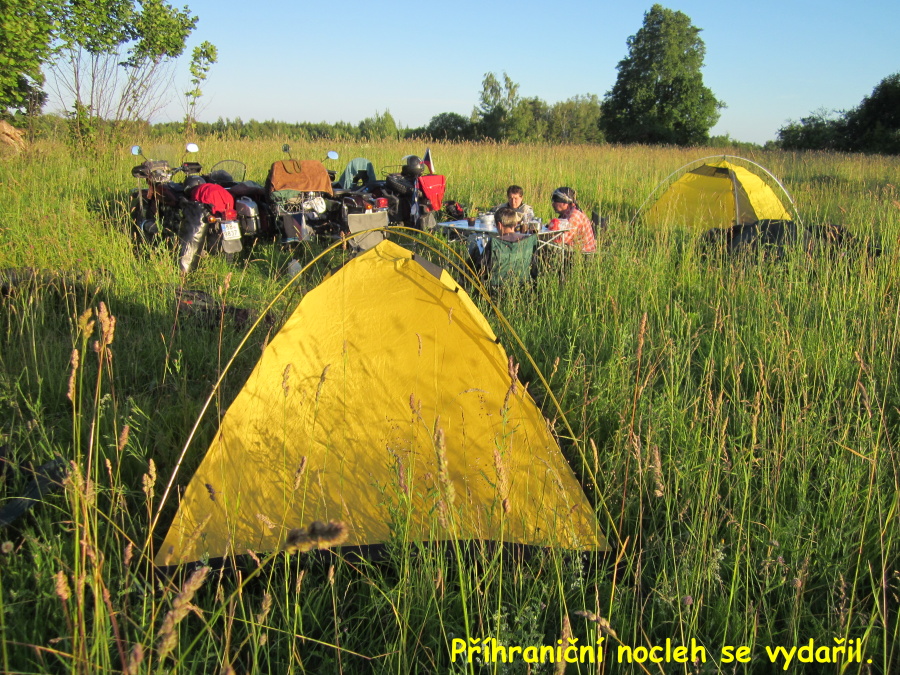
[(193, 181), (413, 167)]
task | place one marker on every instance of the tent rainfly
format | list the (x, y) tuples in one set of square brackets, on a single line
[(717, 195), (387, 403)]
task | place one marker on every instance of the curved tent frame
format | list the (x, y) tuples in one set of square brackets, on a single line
[(667, 181)]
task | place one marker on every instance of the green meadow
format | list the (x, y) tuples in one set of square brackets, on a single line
[(740, 418)]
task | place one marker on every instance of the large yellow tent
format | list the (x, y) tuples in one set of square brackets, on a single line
[(385, 402), (719, 194)]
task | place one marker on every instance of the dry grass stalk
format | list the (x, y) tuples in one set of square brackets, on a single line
[(513, 370), (656, 466), (564, 636), (401, 471), (415, 405), (135, 658), (298, 475), (265, 608), (448, 492), (62, 586), (502, 481), (317, 535), (168, 638), (70, 392), (107, 325), (322, 379), (265, 520), (439, 582), (285, 377), (86, 323), (123, 437), (149, 480), (196, 532), (12, 137), (602, 623)]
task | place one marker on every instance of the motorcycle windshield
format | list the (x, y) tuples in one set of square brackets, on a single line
[(165, 152), (228, 171)]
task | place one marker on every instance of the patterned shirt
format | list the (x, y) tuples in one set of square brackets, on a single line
[(581, 232)]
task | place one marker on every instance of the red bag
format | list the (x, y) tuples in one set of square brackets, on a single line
[(217, 198), (434, 187)]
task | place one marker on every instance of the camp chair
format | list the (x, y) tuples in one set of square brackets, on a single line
[(510, 262), (360, 222)]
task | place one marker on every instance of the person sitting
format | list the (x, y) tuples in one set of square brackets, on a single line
[(508, 257), (515, 200), (580, 233)]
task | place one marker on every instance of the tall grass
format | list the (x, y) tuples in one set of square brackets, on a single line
[(740, 417)]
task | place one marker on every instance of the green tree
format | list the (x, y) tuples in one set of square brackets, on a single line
[(114, 58), (496, 103), (821, 130), (449, 126), (527, 122), (202, 59), (659, 95), (26, 31), (379, 127), (576, 120), (874, 125)]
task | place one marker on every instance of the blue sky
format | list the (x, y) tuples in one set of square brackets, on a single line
[(768, 61)]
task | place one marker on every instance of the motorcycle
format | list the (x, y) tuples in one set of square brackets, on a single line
[(360, 208), (418, 197), (300, 198), (156, 209), (202, 211), (248, 197)]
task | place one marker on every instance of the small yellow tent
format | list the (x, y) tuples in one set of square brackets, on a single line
[(385, 402), (721, 194)]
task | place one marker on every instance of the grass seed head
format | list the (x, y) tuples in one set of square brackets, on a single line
[(149, 479), (75, 359), (123, 438), (317, 535), (602, 623), (168, 638), (298, 475), (62, 586), (135, 658)]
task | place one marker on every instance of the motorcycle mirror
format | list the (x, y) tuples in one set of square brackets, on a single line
[(332, 154), (192, 147), (136, 150), (285, 148)]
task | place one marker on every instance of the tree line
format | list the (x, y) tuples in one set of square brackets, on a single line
[(112, 59), (872, 127)]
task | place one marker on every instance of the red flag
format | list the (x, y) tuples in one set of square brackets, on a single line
[(428, 161)]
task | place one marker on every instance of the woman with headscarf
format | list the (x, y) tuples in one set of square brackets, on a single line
[(580, 234)]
